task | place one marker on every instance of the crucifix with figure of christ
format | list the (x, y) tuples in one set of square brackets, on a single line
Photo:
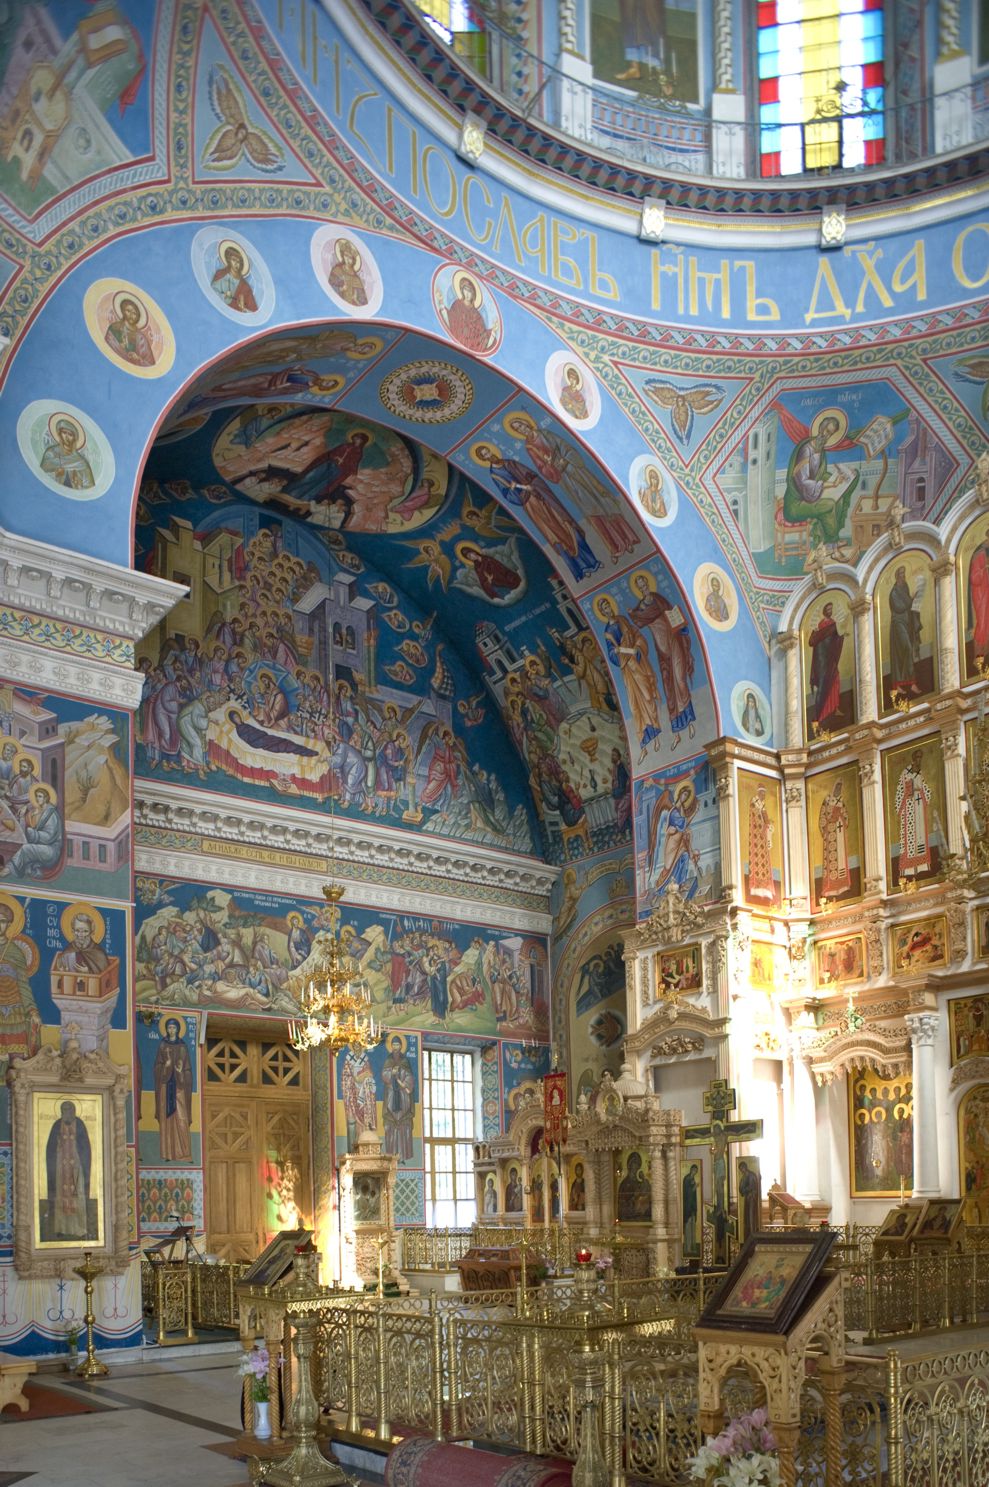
[(719, 1134)]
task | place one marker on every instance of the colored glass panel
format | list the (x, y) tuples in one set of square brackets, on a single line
[(821, 83)]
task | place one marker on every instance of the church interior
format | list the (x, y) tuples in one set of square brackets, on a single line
[(494, 760)]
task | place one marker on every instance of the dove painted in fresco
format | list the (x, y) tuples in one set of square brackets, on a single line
[(236, 136), (684, 402)]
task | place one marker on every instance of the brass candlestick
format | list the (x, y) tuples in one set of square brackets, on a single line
[(90, 1367), (306, 1466)]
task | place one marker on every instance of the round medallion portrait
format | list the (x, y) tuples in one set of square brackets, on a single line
[(655, 489), (715, 596), (65, 449), (573, 390), (129, 328), (232, 275), (346, 270)]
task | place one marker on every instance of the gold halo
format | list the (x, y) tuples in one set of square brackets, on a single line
[(517, 415), (483, 444), (338, 251), (294, 917), (687, 785), (463, 277), (264, 672), (166, 1018), (72, 911), (123, 294), (642, 573), (58, 418), (23, 754), (365, 348), (17, 909), (224, 244), (837, 413), (570, 367), (653, 470), (49, 792), (596, 606), (389, 1037), (460, 547)]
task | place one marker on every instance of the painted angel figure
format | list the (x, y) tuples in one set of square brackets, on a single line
[(236, 136)]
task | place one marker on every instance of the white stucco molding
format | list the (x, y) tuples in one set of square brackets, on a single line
[(361, 850), (60, 585), (49, 671)]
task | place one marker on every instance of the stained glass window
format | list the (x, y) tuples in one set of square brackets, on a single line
[(821, 85)]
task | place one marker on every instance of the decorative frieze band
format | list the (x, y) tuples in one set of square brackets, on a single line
[(440, 874)]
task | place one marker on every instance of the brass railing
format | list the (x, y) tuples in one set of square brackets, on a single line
[(180, 1297), (508, 1380)]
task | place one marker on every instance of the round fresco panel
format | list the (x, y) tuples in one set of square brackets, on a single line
[(65, 449), (346, 270), (466, 309), (233, 275), (654, 488), (751, 712), (427, 392), (129, 328), (714, 593), (573, 390), (329, 468)]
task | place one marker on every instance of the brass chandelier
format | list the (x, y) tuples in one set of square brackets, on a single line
[(333, 995)]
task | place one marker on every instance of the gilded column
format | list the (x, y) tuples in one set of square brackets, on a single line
[(802, 1173), (949, 28), (954, 787), (947, 629), (724, 786), (923, 1028), (789, 645), (865, 666), (873, 834)]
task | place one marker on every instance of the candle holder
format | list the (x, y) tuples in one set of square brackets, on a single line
[(90, 1367)]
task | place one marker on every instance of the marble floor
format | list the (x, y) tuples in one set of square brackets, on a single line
[(161, 1422)]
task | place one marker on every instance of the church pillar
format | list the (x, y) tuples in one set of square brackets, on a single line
[(794, 769), (954, 786), (865, 669), (926, 1178), (952, 82), (873, 832), (674, 1218), (802, 1177), (794, 712), (947, 630)]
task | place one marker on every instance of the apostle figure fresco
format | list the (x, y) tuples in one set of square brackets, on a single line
[(973, 1122), (913, 789), (20, 1020), (676, 834), (208, 947), (762, 848), (880, 1122), (973, 565), (828, 652), (906, 626), (834, 836)]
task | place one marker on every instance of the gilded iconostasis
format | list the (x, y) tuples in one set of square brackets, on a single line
[(481, 516)]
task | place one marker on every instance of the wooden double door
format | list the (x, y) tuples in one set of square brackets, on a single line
[(256, 1124)]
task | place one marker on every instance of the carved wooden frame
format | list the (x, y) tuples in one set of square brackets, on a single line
[(52, 1072)]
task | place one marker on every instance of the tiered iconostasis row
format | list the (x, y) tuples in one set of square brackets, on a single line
[(842, 984)]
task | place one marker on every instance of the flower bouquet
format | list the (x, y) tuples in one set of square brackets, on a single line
[(743, 1455), (255, 1365)]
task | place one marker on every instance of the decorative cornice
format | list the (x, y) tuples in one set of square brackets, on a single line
[(50, 671), (439, 874), (969, 1071), (67, 586), (886, 1050)]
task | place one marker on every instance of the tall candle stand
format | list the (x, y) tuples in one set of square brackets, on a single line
[(90, 1367)]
